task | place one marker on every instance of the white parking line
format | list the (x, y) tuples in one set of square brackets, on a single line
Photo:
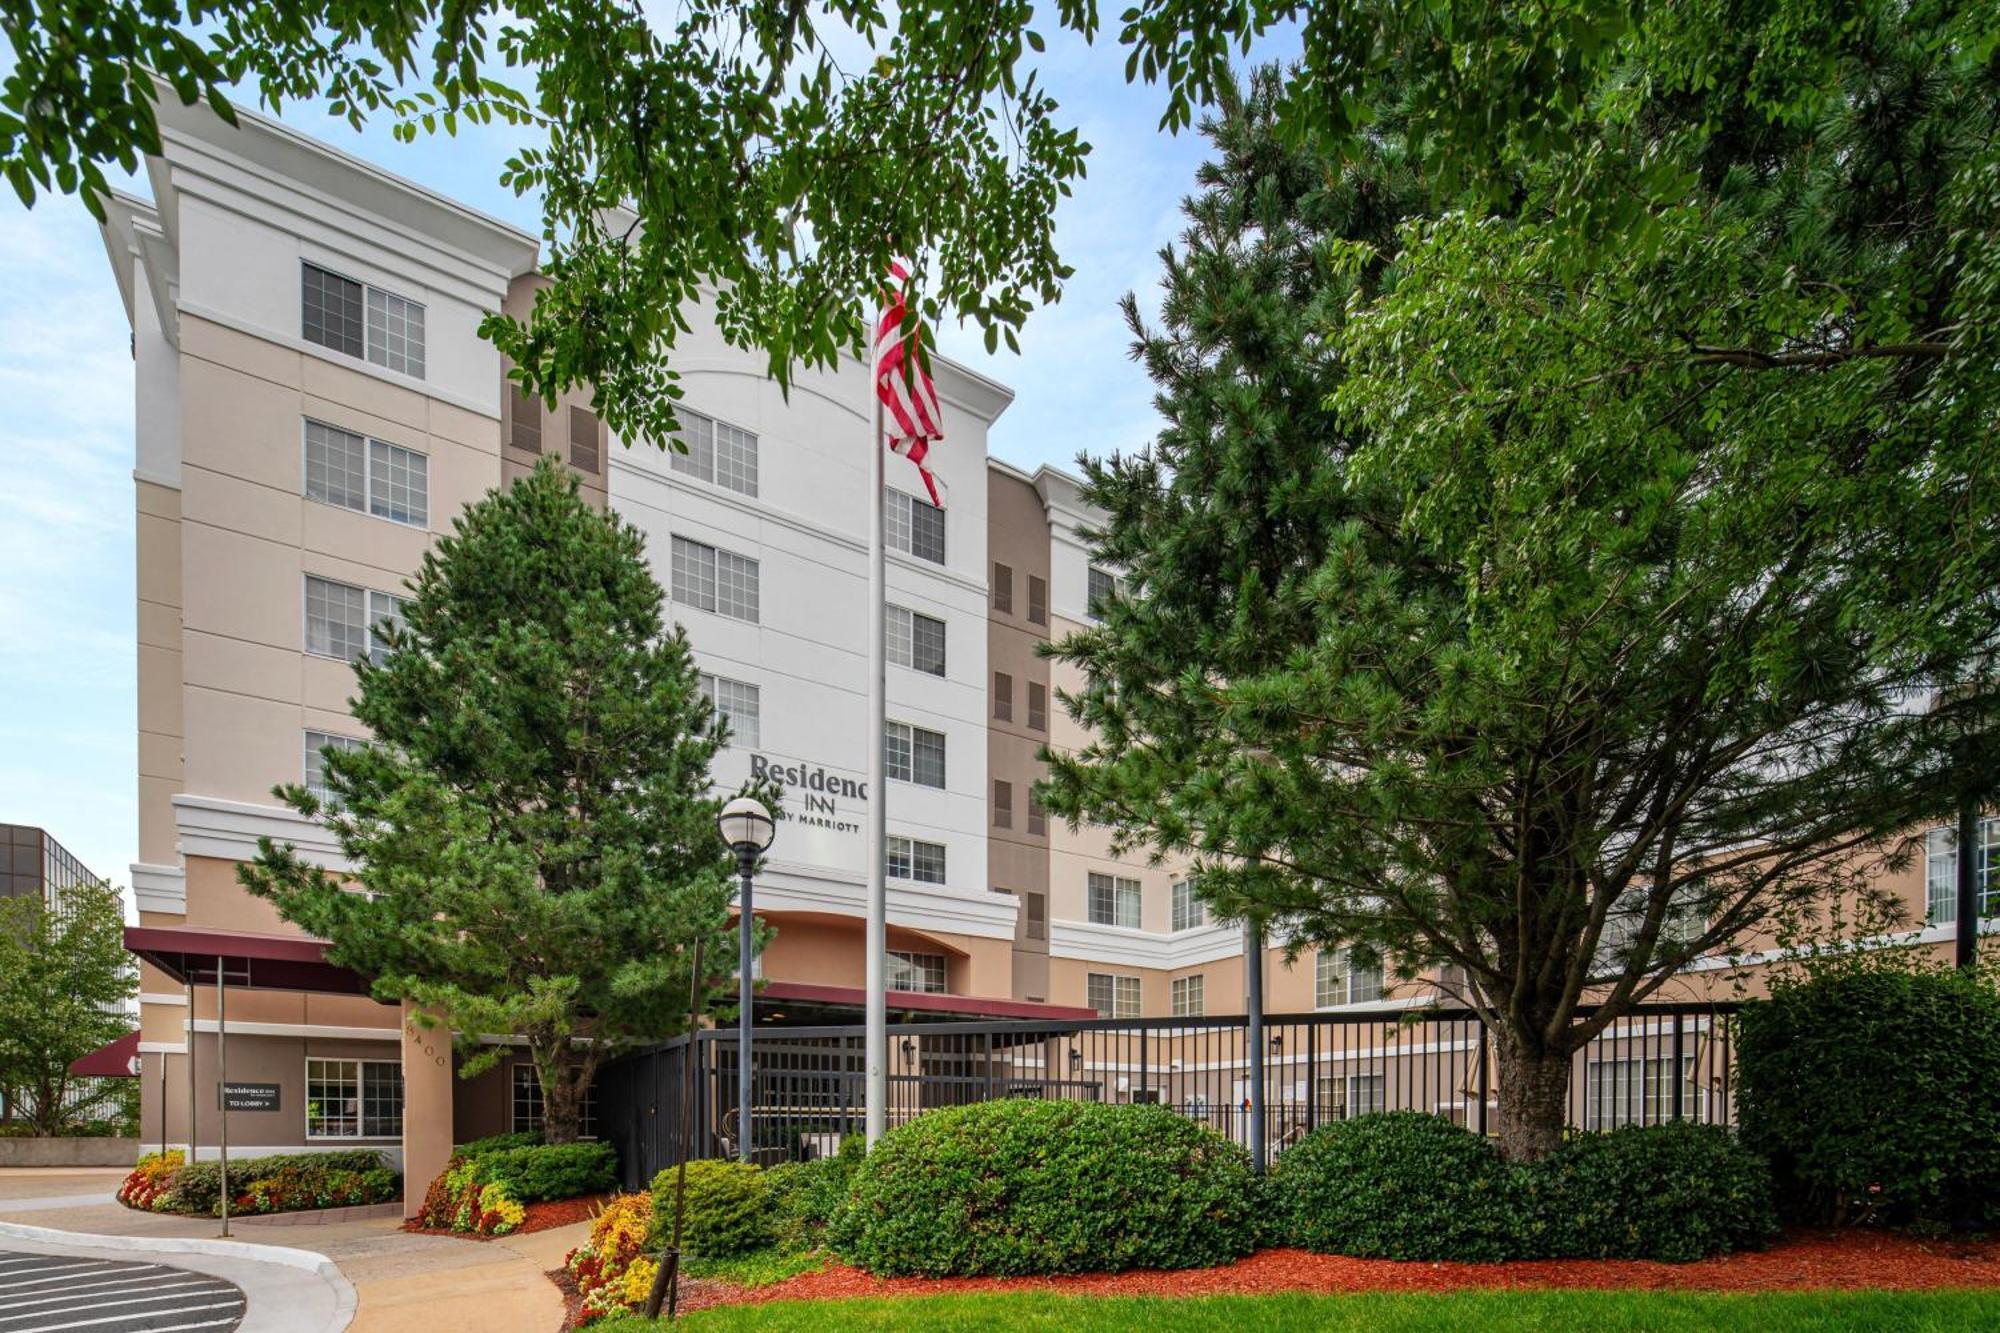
[(155, 1284), (135, 1300), (74, 1270), (235, 1304)]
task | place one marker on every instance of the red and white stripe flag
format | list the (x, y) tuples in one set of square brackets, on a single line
[(910, 414)]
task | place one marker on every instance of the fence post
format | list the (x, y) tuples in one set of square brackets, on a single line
[(1312, 1076), (1482, 1073), (1680, 1074)]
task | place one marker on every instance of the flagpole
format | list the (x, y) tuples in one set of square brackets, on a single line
[(877, 1054)]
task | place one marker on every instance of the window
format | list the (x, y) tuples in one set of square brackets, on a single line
[(1338, 979), (1189, 911), (1003, 588), (316, 741), (1003, 804), (740, 705), (524, 419), (1038, 706), (716, 453), (340, 619), (1111, 995), (914, 754), (715, 580), (1187, 996), (1003, 696), (362, 321), (354, 1099), (1038, 815), (1344, 1096), (1038, 915), (907, 858), (922, 972), (398, 484), (583, 450), (915, 640), (528, 1103), (1113, 900), (336, 466), (913, 525), (1100, 587), (1038, 600), (1638, 1091), (1941, 872)]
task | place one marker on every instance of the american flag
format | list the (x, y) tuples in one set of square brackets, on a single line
[(909, 399)]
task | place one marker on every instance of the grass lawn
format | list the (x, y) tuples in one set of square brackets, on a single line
[(1767, 1312)]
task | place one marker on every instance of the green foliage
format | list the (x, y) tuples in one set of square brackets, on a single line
[(551, 1171), (1875, 1091), (303, 1178), (728, 1212), (806, 1195), (1029, 1187), (65, 979), (523, 1138), (1537, 587), (1673, 1192), (761, 1268), (1404, 1185), (534, 822)]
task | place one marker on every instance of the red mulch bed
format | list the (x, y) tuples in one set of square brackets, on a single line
[(1802, 1260), (543, 1216)]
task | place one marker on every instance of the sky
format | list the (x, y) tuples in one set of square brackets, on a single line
[(67, 657)]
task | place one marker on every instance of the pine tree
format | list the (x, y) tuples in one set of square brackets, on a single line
[(533, 827), (65, 981)]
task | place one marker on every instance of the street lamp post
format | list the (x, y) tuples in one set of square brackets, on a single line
[(747, 828)]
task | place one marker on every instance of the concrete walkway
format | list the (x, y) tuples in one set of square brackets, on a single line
[(402, 1283)]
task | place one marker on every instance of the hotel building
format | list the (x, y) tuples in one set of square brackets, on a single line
[(314, 406)]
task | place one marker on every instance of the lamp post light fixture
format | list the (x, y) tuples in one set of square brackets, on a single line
[(747, 828)]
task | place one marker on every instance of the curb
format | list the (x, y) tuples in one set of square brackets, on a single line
[(303, 1260)]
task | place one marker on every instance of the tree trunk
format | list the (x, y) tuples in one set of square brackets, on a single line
[(1533, 1094), (562, 1102)]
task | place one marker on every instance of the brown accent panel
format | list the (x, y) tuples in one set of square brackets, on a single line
[(586, 443), (524, 419), (1003, 588)]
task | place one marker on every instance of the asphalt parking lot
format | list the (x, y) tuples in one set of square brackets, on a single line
[(42, 1293)]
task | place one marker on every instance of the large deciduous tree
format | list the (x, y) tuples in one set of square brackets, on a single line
[(65, 980), (1554, 602), (532, 829)]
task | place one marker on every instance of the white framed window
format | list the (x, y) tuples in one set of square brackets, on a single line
[(715, 580), (1112, 900), (912, 858), (362, 321), (1638, 1091), (341, 619), (1188, 995), (354, 1099), (921, 972), (1941, 872), (914, 754), (741, 704), (1339, 979), (315, 771), (717, 453), (1344, 1096), (1111, 994), (913, 526), (527, 1116), (1098, 589), (1189, 911), (915, 640)]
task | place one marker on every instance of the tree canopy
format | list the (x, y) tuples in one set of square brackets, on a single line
[(532, 827), (65, 981), (1554, 601)]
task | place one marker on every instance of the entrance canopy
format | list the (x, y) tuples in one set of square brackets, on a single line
[(260, 962), (810, 1003)]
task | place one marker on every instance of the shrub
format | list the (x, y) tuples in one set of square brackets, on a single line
[(1403, 1185), (526, 1138), (165, 1183), (727, 1213), (1875, 1092), (605, 1263), (552, 1171), (1674, 1192), (1020, 1187), (151, 1178), (806, 1195)]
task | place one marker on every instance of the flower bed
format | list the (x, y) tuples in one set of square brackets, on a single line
[(168, 1183), (487, 1188)]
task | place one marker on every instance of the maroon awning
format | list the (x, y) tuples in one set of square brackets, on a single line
[(111, 1060), (963, 1006), (261, 962)]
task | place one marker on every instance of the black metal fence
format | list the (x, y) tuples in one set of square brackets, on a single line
[(1660, 1062)]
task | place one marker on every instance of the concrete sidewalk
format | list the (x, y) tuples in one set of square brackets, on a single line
[(402, 1283)]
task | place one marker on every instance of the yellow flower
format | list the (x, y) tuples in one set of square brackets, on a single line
[(639, 1281)]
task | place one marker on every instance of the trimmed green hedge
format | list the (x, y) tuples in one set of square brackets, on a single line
[(1404, 1185), (282, 1183), (728, 1209), (1028, 1187), (805, 1196), (525, 1138), (1876, 1095), (1674, 1192), (550, 1171)]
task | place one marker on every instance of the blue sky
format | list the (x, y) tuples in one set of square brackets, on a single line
[(67, 697)]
